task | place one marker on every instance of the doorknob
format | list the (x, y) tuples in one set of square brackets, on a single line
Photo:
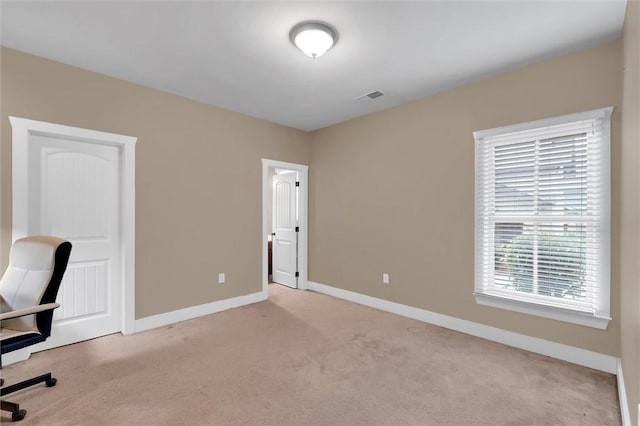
[(273, 233)]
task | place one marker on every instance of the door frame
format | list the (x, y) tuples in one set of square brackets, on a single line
[(303, 197), (22, 129)]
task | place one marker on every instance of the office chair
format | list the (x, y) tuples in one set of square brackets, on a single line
[(28, 292)]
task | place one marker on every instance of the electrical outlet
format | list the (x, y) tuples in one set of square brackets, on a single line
[(221, 278), (385, 278)]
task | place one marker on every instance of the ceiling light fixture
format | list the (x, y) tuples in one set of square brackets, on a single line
[(313, 38)]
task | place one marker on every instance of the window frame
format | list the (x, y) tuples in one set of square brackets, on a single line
[(527, 303)]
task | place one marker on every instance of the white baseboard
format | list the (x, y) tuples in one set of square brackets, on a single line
[(622, 395), (595, 360), (15, 356), (167, 318)]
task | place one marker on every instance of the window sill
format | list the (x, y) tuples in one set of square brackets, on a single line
[(551, 312)]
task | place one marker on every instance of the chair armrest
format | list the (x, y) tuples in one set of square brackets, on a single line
[(28, 311)]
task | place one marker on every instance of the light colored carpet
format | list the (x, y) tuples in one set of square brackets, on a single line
[(305, 358)]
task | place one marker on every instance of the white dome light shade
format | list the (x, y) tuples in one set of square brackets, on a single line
[(313, 43), (313, 38)]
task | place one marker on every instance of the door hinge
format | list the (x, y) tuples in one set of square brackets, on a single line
[(297, 183), (297, 274), (297, 229)]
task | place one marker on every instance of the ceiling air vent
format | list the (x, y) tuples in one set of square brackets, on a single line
[(367, 96)]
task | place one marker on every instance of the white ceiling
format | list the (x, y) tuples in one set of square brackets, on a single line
[(237, 55)]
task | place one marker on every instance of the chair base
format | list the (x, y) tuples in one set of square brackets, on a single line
[(16, 413)]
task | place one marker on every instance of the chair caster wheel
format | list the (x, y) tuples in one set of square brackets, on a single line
[(51, 382), (18, 415)]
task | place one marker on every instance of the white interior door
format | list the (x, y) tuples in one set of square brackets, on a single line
[(285, 245), (73, 189)]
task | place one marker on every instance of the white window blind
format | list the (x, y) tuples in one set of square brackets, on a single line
[(542, 217)]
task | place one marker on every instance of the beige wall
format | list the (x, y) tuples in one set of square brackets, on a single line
[(198, 176), (394, 192), (630, 210)]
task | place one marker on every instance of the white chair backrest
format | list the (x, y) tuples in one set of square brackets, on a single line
[(24, 282)]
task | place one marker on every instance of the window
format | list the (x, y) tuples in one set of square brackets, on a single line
[(542, 217)]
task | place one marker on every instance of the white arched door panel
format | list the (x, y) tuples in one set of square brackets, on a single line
[(77, 184)]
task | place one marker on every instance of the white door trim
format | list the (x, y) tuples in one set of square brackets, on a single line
[(22, 128), (303, 173)]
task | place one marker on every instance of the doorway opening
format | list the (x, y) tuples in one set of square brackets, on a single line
[(284, 224)]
